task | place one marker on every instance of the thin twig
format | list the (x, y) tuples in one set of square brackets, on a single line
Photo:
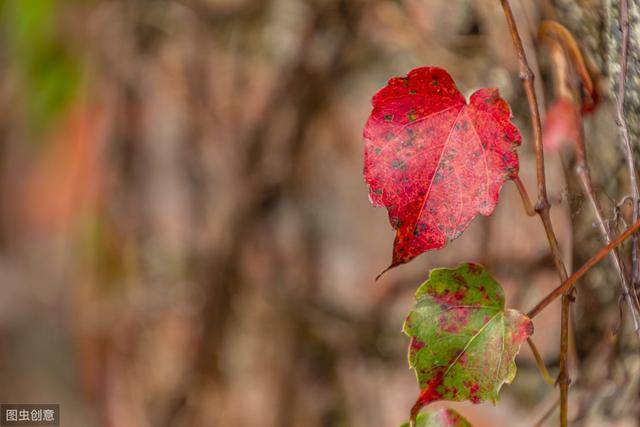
[(616, 211), (524, 195), (522, 17), (568, 284), (526, 75), (542, 205), (622, 124), (628, 294), (564, 47), (540, 363)]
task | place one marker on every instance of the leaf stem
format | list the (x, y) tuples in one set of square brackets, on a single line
[(524, 195), (567, 284), (540, 363), (543, 206)]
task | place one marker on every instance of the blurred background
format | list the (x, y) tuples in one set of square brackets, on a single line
[(185, 233)]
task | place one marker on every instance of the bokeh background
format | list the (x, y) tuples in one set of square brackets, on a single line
[(186, 237)]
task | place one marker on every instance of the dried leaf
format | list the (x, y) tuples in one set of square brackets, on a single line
[(463, 341), (562, 125), (435, 161)]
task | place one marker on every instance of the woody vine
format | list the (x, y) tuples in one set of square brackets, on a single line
[(436, 161)]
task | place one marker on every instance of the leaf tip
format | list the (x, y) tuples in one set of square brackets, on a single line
[(393, 265)]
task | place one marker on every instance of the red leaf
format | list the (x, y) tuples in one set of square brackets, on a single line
[(435, 161), (562, 125)]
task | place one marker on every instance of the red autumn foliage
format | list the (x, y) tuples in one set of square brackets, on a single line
[(434, 161)]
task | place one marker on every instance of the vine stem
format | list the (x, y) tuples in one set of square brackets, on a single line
[(568, 284), (628, 291), (542, 206), (564, 47), (622, 124)]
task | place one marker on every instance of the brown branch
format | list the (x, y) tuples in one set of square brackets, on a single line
[(564, 47), (527, 24), (526, 75), (628, 293), (563, 376), (542, 205), (622, 124), (568, 284)]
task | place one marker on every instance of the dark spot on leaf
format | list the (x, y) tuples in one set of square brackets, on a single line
[(459, 279), (474, 268), (398, 164)]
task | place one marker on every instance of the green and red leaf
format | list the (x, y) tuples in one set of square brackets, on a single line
[(444, 417), (434, 161), (463, 341)]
